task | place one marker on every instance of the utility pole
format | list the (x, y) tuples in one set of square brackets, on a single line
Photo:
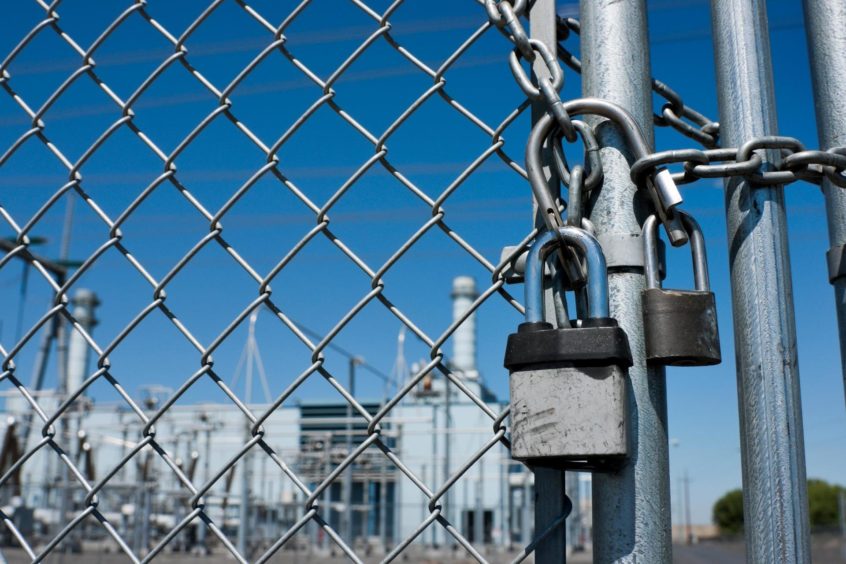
[(52, 333), (688, 526), (348, 472), (448, 540), (327, 493), (251, 358), (383, 505), (414, 369), (397, 505), (202, 548), (77, 358)]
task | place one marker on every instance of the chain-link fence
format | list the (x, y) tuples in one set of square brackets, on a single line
[(228, 138), (165, 167)]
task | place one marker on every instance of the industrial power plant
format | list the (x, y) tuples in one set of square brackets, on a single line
[(372, 504)]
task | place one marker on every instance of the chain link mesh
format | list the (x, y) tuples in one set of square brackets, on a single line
[(126, 103)]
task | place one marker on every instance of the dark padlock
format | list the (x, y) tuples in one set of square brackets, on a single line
[(568, 386), (680, 326)]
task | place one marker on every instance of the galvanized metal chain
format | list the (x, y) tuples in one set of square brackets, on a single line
[(665, 195), (792, 162), (672, 114), (505, 16)]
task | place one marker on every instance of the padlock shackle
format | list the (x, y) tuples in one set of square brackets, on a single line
[(597, 274), (660, 183), (626, 124), (697, 251)]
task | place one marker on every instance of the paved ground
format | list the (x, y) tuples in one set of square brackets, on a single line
[(826, 550)]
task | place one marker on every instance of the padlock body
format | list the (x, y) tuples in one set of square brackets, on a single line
[(568, 395), (569, 414), (680, 327)]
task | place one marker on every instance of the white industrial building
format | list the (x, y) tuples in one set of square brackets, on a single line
[(434, 435)]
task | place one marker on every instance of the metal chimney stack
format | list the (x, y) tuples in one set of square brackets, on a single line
[(84, 302), (464, 339)]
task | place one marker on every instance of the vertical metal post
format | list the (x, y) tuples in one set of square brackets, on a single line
[(201, 535), (244, 506), (434, 464), (327, 493), (148, 511), (631, 508), (77, 359), (424, 474), (383, 506), (525, 500), (688, 526), (397, 505), (502, 520), (479, 518), (367, 520), (448, 539), (825, 25), (79, 353), (549, 483), (772, 446), (347, 527)]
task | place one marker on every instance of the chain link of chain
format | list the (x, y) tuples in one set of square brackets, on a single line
[(505, 16), (673, 113), (793, 162)]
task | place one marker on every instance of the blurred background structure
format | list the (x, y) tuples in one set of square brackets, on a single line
[(432, 427)]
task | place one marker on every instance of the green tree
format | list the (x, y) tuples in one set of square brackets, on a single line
[(728, 513), (822, 507), (823, 503)]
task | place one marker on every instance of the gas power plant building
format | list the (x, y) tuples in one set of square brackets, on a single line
[(435, 430)]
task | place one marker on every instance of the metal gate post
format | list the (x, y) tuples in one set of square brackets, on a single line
[(549, 488), (772, 445), (825, 25), (631, 508)]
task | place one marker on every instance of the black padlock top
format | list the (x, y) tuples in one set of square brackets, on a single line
[(599, 342)]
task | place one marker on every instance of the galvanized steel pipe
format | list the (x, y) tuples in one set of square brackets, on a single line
[(825, 25), (631, 508), (772, 446)]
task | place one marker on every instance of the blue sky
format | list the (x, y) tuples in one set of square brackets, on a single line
[(377, 214)]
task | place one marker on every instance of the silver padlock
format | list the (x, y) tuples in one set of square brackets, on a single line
[(568, 386)]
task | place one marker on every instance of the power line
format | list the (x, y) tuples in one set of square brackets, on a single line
[(343, 352)]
